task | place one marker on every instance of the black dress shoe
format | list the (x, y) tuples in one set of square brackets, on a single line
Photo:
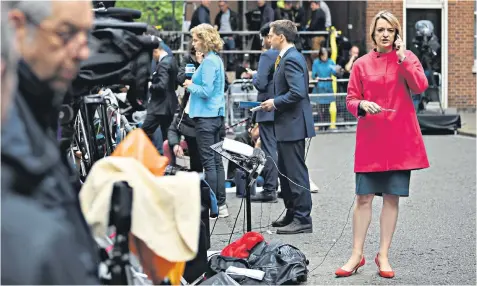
[(264, 197), (286, 220), (296, 227)]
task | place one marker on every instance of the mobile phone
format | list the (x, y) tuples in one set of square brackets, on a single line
[(397, 36)]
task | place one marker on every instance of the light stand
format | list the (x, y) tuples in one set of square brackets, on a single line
[(251, 165), (120, 218)]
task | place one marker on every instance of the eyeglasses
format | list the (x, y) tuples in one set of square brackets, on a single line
[(65, 37)]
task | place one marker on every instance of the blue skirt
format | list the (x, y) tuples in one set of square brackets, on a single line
[(379, 183)]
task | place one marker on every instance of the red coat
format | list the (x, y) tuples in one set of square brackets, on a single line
[(388, 140)]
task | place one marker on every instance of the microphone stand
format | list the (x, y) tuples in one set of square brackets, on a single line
[(250, 181), (252, 166)]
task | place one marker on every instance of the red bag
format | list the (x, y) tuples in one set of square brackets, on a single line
[(241, 248)]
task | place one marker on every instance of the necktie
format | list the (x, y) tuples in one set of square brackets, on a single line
[(277, 62)]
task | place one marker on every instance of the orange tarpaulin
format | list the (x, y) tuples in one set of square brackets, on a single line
[(138, 145)]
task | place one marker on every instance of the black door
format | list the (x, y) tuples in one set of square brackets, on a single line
[(417, 45)]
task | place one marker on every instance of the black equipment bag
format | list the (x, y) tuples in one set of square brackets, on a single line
[(282, 264)]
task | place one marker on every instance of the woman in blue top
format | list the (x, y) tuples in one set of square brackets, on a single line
[(323, 67), (207, 107)]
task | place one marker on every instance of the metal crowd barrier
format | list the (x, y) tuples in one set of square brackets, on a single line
[(243, 90), (176, 41), (239, 90)]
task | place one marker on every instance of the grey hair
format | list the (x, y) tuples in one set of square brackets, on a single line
[(9, 55), (9, 60), (37, 11)]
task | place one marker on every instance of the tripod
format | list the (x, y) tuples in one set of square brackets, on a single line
[(251, 165), (433, 92)]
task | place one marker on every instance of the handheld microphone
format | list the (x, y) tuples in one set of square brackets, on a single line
[(189, 71), (257, 108)]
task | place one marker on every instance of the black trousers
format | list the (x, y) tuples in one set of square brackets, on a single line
[(208, 132), (269, 147), (291, 163), (152, 122), (193, 149)]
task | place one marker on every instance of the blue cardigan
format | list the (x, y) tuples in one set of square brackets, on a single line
[(207, 97)]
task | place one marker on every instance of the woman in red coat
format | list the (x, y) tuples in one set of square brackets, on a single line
[(388, 138)]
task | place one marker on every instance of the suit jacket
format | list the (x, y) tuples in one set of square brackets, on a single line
[(263, 82), (163, 99), (293, 114)]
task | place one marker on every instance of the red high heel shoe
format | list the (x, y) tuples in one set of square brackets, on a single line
[(343, 273), (384, 274)]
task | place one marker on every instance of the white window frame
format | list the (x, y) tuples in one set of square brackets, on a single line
[(435, 4)]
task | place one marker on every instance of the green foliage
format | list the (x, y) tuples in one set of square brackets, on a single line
[(157, 13)]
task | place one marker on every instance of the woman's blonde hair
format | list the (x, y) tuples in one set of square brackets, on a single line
[(390, 18), (209, 36)]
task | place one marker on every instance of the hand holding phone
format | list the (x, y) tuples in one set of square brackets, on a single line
[(400, 47)]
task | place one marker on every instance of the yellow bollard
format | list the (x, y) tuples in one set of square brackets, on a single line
[(333, 111), (334, 55)]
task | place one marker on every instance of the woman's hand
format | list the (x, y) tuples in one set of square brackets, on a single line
[(400, 48), (178, 151), (187, 82), (370, 107), (199, 56)]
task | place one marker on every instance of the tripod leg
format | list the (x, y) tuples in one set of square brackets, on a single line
[(248, 206)]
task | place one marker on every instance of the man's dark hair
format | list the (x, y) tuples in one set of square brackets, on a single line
[(265, 30), (286, 28)]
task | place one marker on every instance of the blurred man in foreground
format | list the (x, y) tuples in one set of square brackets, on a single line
[(51, 38)]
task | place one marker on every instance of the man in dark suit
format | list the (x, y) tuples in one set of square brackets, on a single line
[(163, 100), (293, 124), (263, 82)]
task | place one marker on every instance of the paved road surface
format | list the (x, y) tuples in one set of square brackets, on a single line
[(435, 238)]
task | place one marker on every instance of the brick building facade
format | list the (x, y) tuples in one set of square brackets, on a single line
[(456, 32), (461, 45), (460, 90)]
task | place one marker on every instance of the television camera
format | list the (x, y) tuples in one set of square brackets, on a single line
[(427, 45), (428, 49)]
